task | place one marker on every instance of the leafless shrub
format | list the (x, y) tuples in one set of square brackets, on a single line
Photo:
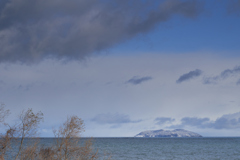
[(5, 142), (86, 151), (5, 139), (66, 147), (27, 126), (30, 152), (46, 153), (67, 141), (3, 113)]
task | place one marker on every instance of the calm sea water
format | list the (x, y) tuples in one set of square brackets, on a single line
[(164, 148), (170, 148)]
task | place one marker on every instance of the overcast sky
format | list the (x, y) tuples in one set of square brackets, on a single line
[(123, 66)]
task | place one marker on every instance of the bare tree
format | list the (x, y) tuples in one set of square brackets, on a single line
[(46, 154), (5, 139), (67, 144), (27, 126), (3, 113), (30, 152)]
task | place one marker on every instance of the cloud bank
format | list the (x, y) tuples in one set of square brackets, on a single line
[(189, 75), (229, 121), (222, 76), (107, 118), (32, 30)]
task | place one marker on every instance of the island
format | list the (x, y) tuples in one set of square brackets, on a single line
[(167, 133)]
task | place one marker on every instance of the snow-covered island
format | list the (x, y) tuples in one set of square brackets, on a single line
[(167, 133)]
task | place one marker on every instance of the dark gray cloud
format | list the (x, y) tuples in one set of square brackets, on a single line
[(31, 30), (164, 120), (230, 72), (116, 119), (137, 80), (223, 75), (234, 6), (189, 75), (229, 121), (194, 121)]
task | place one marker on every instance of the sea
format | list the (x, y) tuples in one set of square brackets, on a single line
[(207, 148)]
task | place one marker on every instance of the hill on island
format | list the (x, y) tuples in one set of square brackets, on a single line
[(167, 133)]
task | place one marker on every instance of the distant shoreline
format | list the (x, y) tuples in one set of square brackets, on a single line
[(142, 137)]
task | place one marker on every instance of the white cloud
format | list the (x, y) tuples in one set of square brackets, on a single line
[(61, 89)]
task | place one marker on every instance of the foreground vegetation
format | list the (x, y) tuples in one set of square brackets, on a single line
[(66, 146)]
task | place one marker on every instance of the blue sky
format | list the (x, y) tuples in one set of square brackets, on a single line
[(123, 66), (215, 29)]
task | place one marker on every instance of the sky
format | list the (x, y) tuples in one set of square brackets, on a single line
[(123, 66)]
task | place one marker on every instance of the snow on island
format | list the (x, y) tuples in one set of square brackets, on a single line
[(167, 133)]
